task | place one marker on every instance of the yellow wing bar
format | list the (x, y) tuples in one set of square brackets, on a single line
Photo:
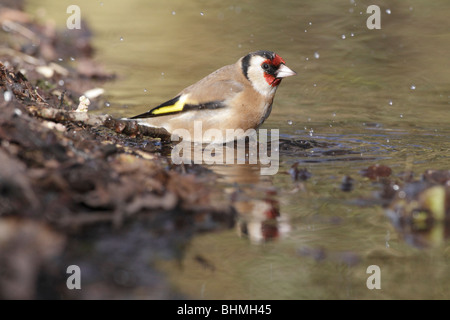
[(171, 108), (179, 104)]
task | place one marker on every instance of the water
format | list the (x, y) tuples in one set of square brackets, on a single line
[(378, 96)]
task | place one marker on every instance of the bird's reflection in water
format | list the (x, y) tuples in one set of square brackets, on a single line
[(256, 201), (252, 194)]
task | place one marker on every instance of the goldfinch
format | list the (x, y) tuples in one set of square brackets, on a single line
[(235, 97)]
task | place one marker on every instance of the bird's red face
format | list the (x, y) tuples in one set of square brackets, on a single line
[(275, 69), (270, 66)]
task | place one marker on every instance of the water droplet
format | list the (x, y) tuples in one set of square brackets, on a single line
[(316, 55), (388, 11), (343, 37), (390, 102), (289, 122), (413, 87), (352, 34), (310, 23), (174, 13)]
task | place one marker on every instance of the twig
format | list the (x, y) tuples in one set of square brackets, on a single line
[(20, 29), (128, 127)]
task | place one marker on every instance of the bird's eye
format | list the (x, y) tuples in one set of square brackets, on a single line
[(265, 66)]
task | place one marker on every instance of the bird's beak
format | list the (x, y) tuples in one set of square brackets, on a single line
[(284, 72)]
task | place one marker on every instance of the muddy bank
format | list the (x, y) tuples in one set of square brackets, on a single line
[(79, 189)]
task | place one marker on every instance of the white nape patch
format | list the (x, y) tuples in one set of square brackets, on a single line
[(256, 75)]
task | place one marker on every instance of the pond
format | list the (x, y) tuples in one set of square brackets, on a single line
[(361, 97)]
